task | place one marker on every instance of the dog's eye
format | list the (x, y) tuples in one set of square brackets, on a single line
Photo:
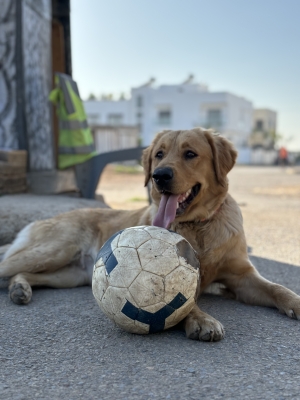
[(159, 155), (190, 154)]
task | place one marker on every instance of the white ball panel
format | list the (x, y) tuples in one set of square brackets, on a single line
[(147, 289), (114, 300), (114, 243), (123, 276), (181, 279), (124, 322), (127, 269), (161, 264), (163, 234), (99, 263), (106, 304), (133, 238), (100, 304), (172, 320), (128, 259), (152, 249), (154, 307), (99, 280), (115, 278), (140, 328), (136, 227)]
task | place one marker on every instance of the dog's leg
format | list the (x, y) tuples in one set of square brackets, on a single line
[(47, 257), (200, 326), (31, 260), (248, 286), (70, 276)]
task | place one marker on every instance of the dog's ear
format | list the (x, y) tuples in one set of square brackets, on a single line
[(146, 162), (224, 156), (146, 157)]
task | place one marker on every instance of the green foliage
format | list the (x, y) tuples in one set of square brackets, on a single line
[(134, 199), (92, 97), (128, 169), (108, 96)]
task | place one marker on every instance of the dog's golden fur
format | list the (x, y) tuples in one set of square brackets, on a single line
[(59, 252)]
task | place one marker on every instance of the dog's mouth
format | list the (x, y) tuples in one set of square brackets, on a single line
[(184, 200), (172, 205)]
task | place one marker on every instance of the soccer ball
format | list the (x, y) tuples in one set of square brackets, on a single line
[(145, 279)]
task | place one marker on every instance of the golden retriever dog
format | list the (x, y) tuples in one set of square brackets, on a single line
[(189, 171)]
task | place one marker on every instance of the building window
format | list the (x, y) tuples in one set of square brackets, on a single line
[(115, 119), (139, 101), (214, 118), (93, 119), (164, 117), (259, 125)]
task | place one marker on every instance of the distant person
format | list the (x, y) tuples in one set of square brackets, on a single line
[(283, 156)]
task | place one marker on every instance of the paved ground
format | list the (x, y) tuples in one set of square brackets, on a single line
[(62, 346)]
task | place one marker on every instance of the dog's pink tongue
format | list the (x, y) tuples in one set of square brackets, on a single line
[(166, 211)]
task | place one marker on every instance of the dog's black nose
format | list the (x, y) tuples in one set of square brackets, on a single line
[(162, 176)]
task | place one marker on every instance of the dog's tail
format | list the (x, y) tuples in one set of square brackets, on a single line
[(4, 282)]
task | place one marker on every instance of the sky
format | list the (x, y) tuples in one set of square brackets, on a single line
[(249, 48)]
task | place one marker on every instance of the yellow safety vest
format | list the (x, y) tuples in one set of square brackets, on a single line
[(75, 142)]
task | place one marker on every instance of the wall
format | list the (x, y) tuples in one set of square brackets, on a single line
[(25, 79), (98, 111), (8, 75)]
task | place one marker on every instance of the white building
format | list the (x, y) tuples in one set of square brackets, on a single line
[(263, 138), (183, 106), (115, 137), (264, 129), (109, 112), (264, 120)]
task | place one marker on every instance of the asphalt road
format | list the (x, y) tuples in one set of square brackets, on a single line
[(62, 346)]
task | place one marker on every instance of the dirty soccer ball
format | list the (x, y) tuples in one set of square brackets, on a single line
[(145, 279)]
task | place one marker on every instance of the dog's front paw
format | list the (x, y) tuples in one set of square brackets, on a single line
[(203, 327), (291, 309), (20, 293)]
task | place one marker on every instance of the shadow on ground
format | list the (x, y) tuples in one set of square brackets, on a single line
[(61, 345)]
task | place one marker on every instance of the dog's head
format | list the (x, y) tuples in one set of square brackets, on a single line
[(189, 171)]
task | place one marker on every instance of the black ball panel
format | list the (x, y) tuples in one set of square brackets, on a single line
[(106, 249), (185, 250)]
